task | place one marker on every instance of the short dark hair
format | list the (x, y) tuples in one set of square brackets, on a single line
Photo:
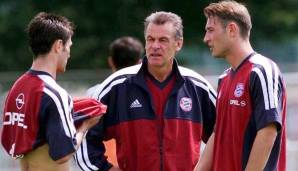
[(126, 51), (161, 17), (44, 29), (229, 10)]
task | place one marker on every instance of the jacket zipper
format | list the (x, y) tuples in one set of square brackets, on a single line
[(161, 144)]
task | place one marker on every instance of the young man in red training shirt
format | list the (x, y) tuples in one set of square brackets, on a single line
[(251, 104), (38, 126)]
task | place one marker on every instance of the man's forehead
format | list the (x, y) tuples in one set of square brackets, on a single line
[(164, 26), (166, 29)]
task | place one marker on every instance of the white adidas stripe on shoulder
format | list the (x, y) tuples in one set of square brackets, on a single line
[(125, 71), (62, 105), (269, 81), (264, 86), (100, 91), (188, 72)]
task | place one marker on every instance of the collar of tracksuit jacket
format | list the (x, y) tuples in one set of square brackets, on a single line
[(140, 78)]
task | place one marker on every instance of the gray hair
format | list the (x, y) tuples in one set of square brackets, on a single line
[(162, 17)]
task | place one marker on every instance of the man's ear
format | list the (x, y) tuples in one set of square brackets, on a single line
[(58, 46), (232, 29), (179, 44)]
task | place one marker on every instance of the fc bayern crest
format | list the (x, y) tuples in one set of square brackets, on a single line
[(239, 90), (186, 104)]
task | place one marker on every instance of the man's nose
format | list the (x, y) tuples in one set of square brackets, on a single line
[(156, 45), (206, 38)]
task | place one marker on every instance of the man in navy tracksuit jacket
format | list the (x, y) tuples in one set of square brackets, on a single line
[(158, 112)]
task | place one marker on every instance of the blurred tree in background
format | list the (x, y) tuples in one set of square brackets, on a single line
[(100, 22)]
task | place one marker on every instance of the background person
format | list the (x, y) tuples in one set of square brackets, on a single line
[(123, 52)]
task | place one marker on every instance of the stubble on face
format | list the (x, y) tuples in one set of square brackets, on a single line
[(215, 37), (64, 56)]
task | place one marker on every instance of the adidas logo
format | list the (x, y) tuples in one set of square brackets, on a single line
[(135, 104)]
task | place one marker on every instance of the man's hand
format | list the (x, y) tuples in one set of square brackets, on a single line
[(89, 123), (205, 163)]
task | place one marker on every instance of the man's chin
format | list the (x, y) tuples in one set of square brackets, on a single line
[(215, 55), (61, 70), (154, 62)]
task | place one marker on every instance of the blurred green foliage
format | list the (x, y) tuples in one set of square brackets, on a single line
[(100, 22)]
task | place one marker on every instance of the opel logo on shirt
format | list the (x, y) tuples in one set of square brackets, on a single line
[(20, 101)]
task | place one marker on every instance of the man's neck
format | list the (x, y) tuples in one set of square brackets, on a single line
[(46, 64), (238, 53), (160, 73)]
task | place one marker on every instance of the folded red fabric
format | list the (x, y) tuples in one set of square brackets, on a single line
[(85, 108)]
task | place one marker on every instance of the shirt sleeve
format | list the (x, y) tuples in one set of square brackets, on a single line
[(59, 128), (209, 112), (266, 91)]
